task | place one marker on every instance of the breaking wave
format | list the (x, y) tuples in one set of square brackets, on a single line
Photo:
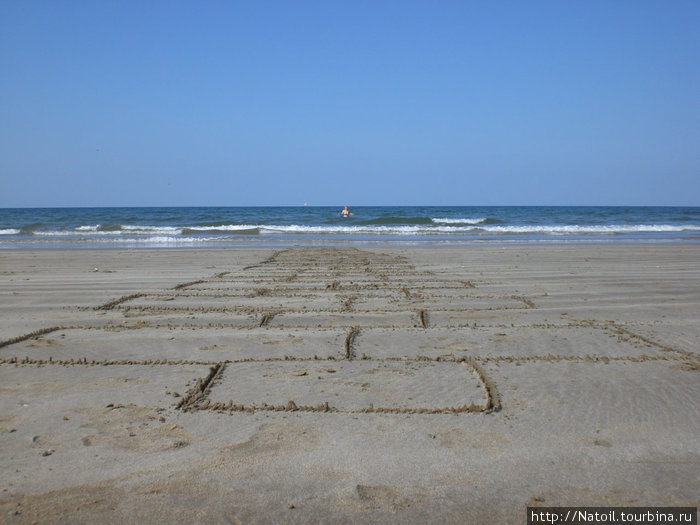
[(227, 226)]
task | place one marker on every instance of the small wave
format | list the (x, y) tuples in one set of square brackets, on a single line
[(52, 233), (474, 228), (397, 221), (223, 228), (73, 233), (145, 230), (368, 230), (97, 230), (224, 232), (164, 239), (610, 229), (110, 228), (154, 239), (448, 220), (27, 230)]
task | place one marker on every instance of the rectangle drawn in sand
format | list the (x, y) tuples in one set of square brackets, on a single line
[(351, 386)]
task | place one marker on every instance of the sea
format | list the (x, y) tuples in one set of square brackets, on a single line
[(225, 227)]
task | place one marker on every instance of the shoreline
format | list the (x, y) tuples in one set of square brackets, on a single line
[(403, 243), (413, 383)]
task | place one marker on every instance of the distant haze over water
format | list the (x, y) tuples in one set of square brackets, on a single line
[(240, 226)]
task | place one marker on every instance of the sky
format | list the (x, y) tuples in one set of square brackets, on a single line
[(243, 103)]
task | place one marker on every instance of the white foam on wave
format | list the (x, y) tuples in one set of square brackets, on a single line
[(167, 239), (222, 228), (609, 229), (73, 233), (52, 233), (473, 228), (369, 230), (145, 230), (93, 230), (157, 239), (448, 220), (159, 235)]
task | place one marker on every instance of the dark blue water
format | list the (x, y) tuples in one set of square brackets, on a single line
[(225, 227)]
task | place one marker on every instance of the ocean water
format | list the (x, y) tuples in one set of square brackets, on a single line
[(310, 225)]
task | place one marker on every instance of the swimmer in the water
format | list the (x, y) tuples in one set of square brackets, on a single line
[(345, 212)]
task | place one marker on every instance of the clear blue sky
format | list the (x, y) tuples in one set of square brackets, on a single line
[(118, 102)]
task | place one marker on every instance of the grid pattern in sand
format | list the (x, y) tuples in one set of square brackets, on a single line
[(331, 330)]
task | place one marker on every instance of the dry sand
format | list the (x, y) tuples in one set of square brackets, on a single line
[(331, 385)]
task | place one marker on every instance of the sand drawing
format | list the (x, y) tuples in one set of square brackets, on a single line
[(332, 330)]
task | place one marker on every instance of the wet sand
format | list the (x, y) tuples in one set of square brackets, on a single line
[(345, 385)]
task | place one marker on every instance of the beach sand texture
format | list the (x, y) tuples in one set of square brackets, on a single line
[(347, 385)]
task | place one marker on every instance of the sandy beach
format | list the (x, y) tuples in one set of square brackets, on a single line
[(347, 385)]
